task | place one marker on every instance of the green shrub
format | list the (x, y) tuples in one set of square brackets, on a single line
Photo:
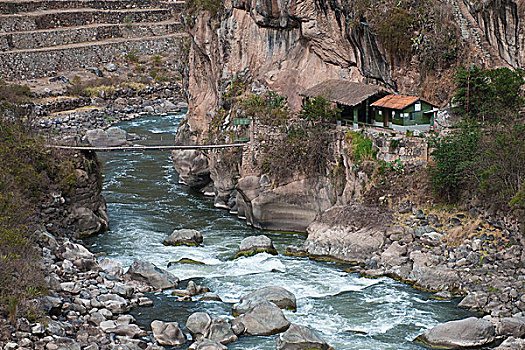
[(362, 148)]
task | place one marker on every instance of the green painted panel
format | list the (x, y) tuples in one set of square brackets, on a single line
[(242, 121)]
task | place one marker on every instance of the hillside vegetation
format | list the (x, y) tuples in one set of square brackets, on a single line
[(483, 158), (29, 172)]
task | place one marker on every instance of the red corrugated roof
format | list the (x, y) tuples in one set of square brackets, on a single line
[(396, 101)]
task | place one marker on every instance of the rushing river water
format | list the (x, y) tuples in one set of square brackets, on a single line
[(146, 203)]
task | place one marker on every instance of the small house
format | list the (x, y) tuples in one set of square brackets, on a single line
[(353, 99), (403, 110)]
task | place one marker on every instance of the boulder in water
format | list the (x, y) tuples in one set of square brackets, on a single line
[(184, 237), (191, 290), (255, 244), (202, 326), (197, 323), (264, 318), (277, 295), (300, 337), (185, 261), (167, 333), (152, 275), (207, 344), (464, 333)]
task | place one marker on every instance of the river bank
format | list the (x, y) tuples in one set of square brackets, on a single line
[(325, 294)]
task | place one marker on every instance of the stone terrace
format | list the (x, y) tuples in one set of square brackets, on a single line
[(39, 38)]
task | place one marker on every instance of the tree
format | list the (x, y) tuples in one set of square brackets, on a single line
[(488, 96)]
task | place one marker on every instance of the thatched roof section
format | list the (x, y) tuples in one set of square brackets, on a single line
[(344, 92)]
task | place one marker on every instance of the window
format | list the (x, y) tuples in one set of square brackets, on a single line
[(405, 115), (417, 106), (380, 112)]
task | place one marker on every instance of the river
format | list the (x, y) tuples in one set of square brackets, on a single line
[(146, 203)]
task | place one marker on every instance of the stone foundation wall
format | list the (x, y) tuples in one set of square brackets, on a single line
[(66, 36), (38, 63), (411, 150)]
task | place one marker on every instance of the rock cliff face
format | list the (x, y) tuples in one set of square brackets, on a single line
[(501, 22), (286, 46), (291, 45)]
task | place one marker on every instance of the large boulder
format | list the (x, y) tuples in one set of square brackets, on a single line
[(277, 295), (184, 237), (220, 331), (202, 326), (106, 138), (256, 244), (468, 332), (152, 275), (111, 267), (300, 338), (264, 318), (85, 222), (291, 207), (167, 333), (73, 251), (207, 344), (197, 324), (351, 233), (78, 254), (192, 167), (511, 326), (512, 344)]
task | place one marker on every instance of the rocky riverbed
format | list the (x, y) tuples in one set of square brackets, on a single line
[(66, 120)]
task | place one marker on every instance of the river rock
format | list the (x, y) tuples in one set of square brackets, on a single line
[(111, 267), (512, 344), (63, 343), (197, 324), (256, 244), (473, 301), (351, 233), (152, 275), (300, 338), (264, 318), (468, 332), (295, 252), (220, 331), (511, 326), (112, 137), (290, 207), (72, 251), (192, 167), (202, 326), (277, 295), (191, 290), (114, 303), (207, 344), (184, 237), (167, 333), (85, 222), (394, 255), (210, 297)]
